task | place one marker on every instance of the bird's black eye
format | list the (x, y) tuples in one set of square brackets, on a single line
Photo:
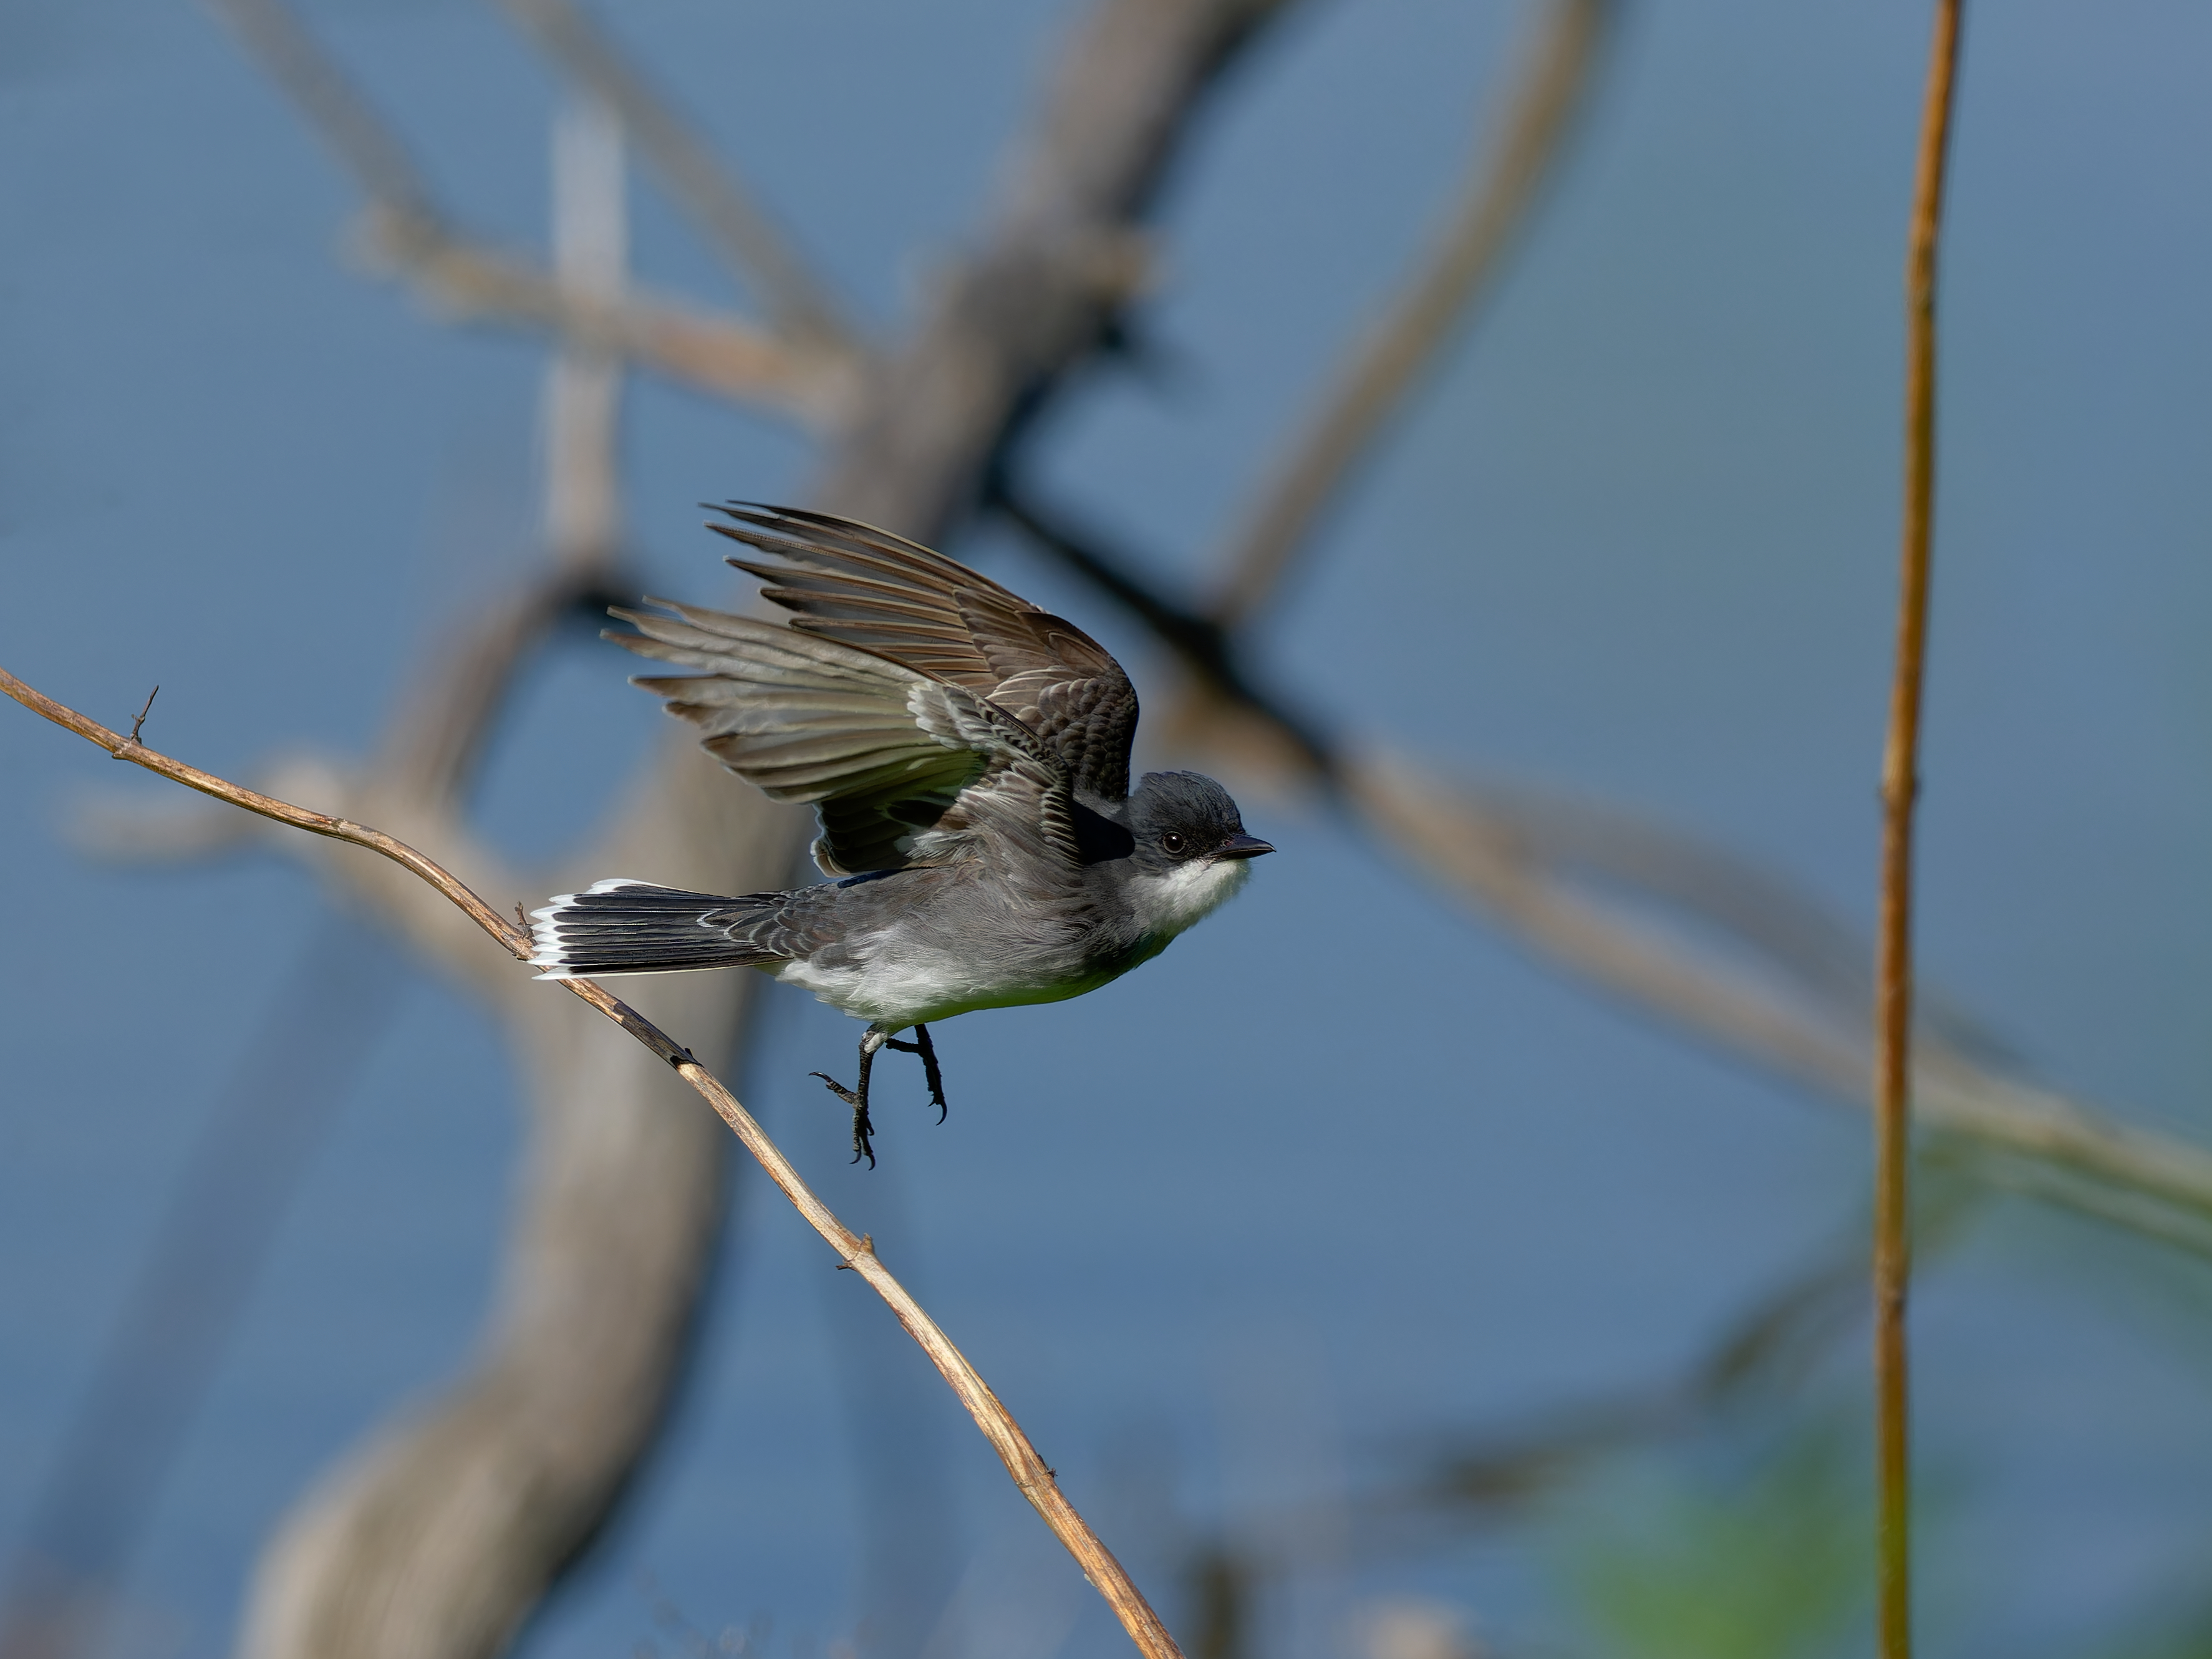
[(1171, 842)]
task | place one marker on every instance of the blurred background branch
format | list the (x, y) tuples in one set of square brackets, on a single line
[(1402, 345), (797, 302), (1789, 989), (406, 230)]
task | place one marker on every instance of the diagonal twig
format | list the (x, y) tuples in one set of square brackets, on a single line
[(1383, 365), (1031, 1476), (334, 106), (156, 1365)]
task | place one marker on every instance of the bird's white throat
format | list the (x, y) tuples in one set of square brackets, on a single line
[(1166, 904)]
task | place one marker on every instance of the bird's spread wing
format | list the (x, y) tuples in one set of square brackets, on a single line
[(865, 587), (903, 767)]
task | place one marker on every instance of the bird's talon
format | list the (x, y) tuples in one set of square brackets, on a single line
[(837, 1088)]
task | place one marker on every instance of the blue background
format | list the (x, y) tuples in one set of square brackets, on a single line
[(1341, 1173)]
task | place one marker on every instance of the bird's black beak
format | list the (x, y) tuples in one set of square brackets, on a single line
[(1242, 846)]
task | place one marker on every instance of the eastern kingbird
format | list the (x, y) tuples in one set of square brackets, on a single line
[(967, 755)]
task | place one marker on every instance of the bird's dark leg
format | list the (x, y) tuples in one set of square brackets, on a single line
[(921, 1046), (863, 1146)]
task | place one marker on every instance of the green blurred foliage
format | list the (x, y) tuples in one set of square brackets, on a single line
[(1758, 1555)]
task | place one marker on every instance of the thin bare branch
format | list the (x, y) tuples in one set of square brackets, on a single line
[(798, 302), (1388, 360), (299, 817), (1036, 1481), (1900, 791), (433, 743), (437, 1540)]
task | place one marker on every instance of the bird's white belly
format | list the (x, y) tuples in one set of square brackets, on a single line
[(897, 990)]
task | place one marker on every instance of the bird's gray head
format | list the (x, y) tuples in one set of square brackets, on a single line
[(1191, 851)]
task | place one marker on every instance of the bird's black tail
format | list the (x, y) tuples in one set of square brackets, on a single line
[(624, 927)]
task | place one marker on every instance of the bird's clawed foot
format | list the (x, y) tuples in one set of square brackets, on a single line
[(922, 1046), (863, 1130), (863, 1145)]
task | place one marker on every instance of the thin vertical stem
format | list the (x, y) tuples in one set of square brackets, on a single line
[(1900, 785)]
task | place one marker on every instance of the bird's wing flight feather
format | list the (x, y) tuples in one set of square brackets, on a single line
[(865, 587), (902, 767)]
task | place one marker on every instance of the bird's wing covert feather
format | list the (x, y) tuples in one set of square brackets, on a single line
[(902, 768), (862, 586)]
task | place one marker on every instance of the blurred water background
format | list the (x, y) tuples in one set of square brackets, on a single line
[(1342, 1179)]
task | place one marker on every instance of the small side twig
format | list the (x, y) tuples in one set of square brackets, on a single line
[(138, 721), (1031, 1476), (1900, 788)]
